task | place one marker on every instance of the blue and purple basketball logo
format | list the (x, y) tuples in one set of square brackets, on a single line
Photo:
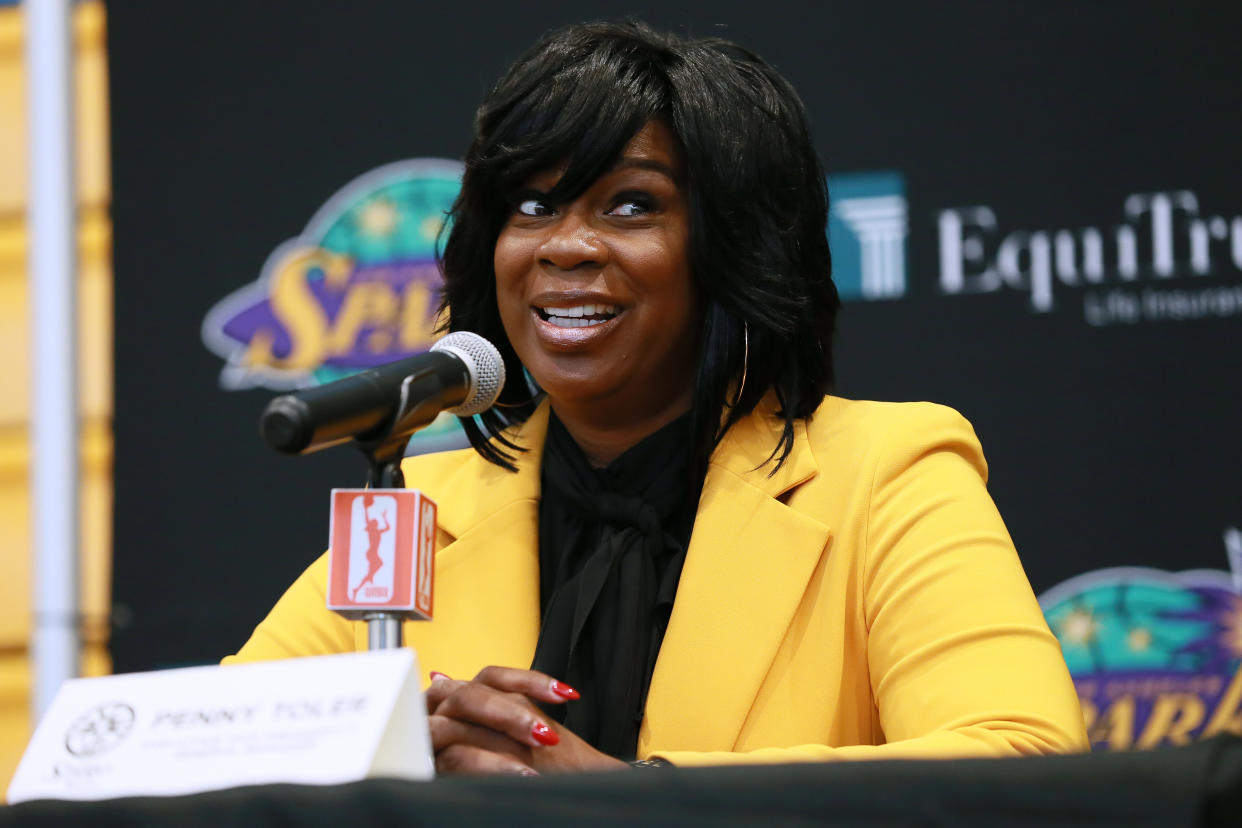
[(358, 288), (1155, 655)]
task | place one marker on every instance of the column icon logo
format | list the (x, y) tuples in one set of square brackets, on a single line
[(867, 230)]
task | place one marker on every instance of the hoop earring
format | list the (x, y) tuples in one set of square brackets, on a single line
[(741, 386)]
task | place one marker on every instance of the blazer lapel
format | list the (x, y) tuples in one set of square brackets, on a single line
[(746, 571), (487, 566)]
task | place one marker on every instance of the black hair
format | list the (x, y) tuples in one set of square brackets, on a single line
[(758, 210)]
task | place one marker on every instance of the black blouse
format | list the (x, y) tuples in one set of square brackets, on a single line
[(612, 542)]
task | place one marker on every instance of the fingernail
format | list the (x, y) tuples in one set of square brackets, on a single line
[(562, 689), (437, 676), (528, 772), (544, 735)]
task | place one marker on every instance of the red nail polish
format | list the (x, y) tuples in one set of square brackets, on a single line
[(437, 676), (563, 690), (544, 735)]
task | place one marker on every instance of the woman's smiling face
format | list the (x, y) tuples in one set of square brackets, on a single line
[(596, 295)]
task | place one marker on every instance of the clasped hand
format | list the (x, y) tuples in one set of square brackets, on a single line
[(491, 725)]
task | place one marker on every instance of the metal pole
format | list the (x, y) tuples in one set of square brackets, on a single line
[(383, 630), (53, 365)]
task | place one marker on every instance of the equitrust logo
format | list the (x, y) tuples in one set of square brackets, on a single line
[(1162, 257), (867, 229), (1155, 655), (358, 287)]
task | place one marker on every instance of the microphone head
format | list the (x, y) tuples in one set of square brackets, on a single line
[(486, 368)]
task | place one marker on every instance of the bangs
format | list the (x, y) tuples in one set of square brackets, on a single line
[(580, 117)]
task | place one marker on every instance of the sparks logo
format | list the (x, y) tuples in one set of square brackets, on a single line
[(1155, 655), (358, 288), (867, 229)]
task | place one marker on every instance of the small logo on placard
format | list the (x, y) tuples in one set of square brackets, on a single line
[(99, 729)]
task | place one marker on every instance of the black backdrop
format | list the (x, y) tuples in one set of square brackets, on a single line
[(1109, 443)]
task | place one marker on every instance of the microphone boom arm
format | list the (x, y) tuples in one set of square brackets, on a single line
[(380, 408)]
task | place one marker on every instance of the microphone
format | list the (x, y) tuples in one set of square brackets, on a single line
[(462, 374)]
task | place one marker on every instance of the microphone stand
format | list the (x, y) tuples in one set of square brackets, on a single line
[(462, 374), (384, 456), (384, 450)]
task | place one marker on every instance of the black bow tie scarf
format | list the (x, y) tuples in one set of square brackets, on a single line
[(611, 547)]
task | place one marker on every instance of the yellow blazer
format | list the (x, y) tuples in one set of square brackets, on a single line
[(865, 600)]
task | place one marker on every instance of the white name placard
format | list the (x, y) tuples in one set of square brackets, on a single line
[(321, 721)]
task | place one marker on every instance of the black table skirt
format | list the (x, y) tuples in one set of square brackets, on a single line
[(1200, 784)]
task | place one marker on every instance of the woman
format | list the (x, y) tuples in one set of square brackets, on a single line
[(701, 557)]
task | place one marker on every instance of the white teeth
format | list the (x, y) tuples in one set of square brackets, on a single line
[(572, 317)]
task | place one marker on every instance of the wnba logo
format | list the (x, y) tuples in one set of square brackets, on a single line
[(372, 546), (382, 552)]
